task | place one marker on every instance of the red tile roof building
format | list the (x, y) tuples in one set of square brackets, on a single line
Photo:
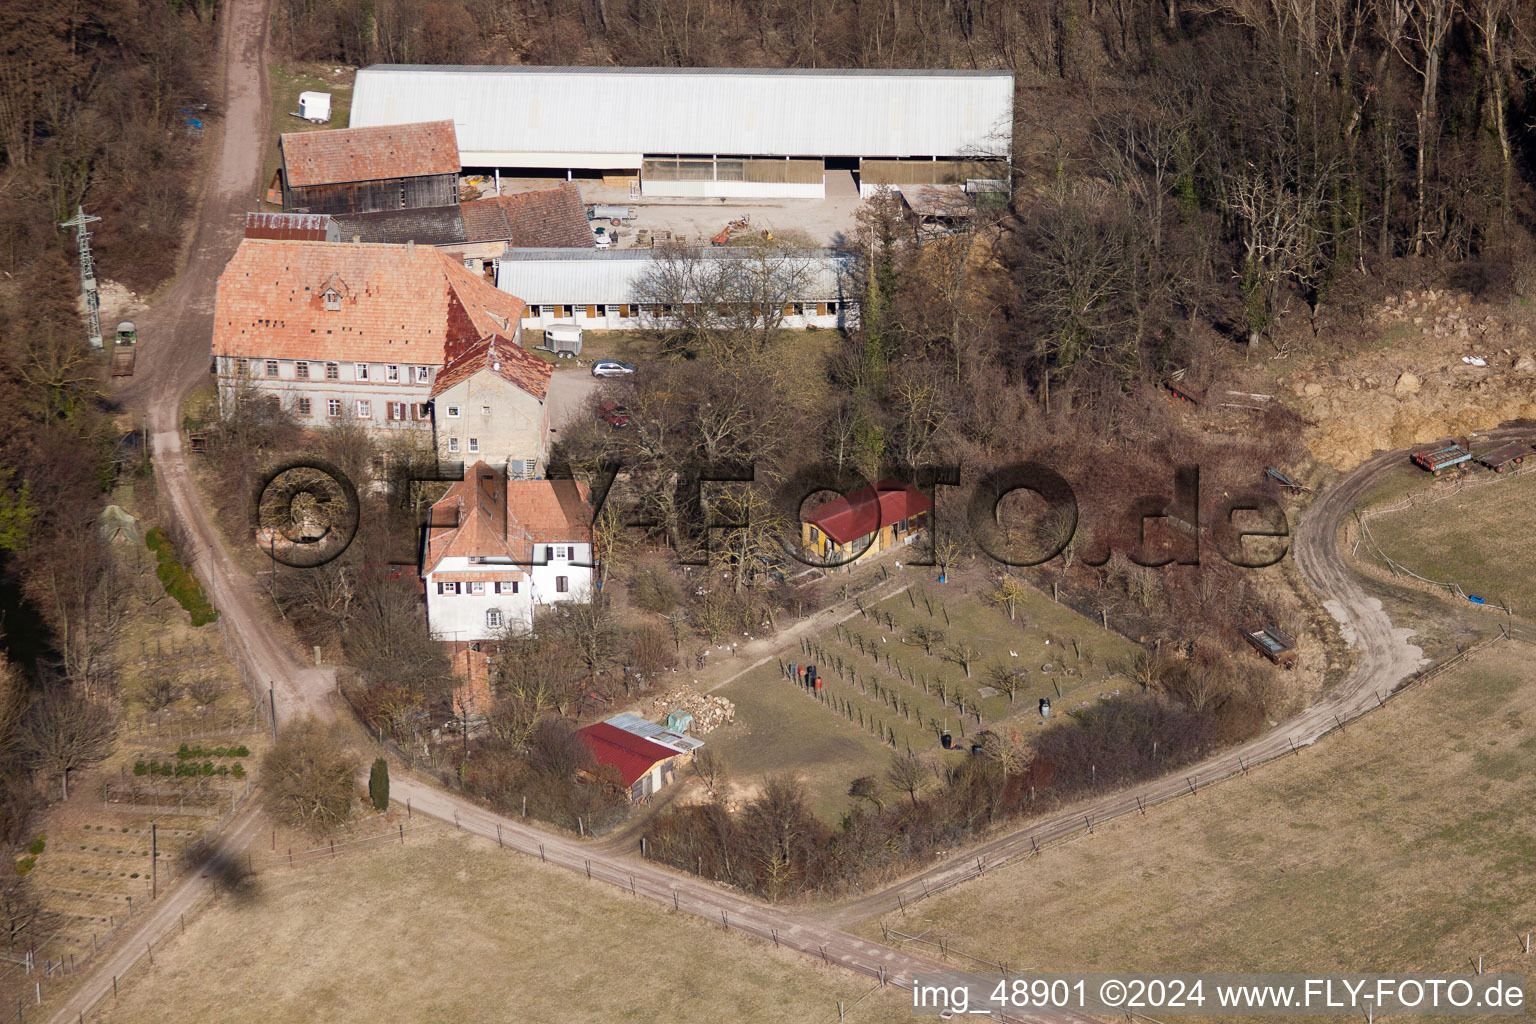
[(546, 218), (497, 548), (344, 331), (363, 170), (866, 522), (490, 401)]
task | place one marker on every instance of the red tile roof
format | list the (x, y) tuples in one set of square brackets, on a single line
[(370, 154), (867, 510), (632, 755), (399, 303), (487, 516), (495, 354), (546, 218)]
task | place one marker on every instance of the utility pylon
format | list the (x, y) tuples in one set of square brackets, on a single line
[(87, 274)]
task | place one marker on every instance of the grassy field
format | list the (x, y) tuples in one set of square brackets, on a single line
[(449, 928), (284, 85), (1475, 539), (1404, 843), (882, 694)]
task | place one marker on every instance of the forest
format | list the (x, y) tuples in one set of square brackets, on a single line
[(94, 101)]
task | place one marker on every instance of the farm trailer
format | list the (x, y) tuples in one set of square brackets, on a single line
[(1273, 643), (125, 349), (1504, 456), (1438, 460)]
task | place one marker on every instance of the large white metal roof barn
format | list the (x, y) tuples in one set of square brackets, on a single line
[(691, 131)]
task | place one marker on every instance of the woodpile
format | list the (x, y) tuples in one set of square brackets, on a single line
[(707, 712)]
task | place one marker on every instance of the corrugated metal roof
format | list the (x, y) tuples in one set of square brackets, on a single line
[(576, 276), (746, 112), (633, 723)]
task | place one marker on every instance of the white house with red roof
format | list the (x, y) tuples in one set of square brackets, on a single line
[(490, 406), (866, 523), (337, 332), (497, 549)]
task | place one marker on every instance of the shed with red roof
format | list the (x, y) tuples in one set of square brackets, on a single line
[(865, 523), (644, 765)]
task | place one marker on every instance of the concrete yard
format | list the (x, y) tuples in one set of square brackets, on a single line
[(827, 222)]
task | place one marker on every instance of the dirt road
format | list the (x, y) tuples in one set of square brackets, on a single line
[(1383, 659), (175, 358)]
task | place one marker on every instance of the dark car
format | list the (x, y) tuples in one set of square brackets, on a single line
[(613, 414)]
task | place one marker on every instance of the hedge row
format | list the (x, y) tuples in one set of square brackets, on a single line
[(178, 579)]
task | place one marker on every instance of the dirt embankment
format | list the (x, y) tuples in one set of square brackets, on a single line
[(1421, 381)]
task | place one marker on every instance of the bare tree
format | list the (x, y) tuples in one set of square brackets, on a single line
[(908, 773), (1010, 679), (206, 689), (1280, 216), (710, 768), (1010, 590), (159, 690), (66, 731), (311, 776), (21, 911), (926, 636), (726, 302), (867, 787), (1428, 25), (963, 654), (590, 628)]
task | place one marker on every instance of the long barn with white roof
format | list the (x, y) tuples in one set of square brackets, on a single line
[(626, 289), (708, 131)]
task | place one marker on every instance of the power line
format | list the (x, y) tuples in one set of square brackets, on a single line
[(87, 274)]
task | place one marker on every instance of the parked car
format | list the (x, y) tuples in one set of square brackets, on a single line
[(613, 414), (611, 368)]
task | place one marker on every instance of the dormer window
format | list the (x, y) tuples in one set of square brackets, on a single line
[(332, 291)]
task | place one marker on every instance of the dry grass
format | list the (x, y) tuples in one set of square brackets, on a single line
[(1474, 539), (449, 928), (1406, 843), (284, 86)]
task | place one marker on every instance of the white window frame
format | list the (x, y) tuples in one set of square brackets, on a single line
[(493, 618), (392, 373), (485, 410), (333, 407), (422, 374), (363, 409), (474, 444), (453, 412), (453, 445), (360, 371)]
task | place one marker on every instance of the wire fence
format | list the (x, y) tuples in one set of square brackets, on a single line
[(1422, 499), (32, 978), (1137, 803)]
